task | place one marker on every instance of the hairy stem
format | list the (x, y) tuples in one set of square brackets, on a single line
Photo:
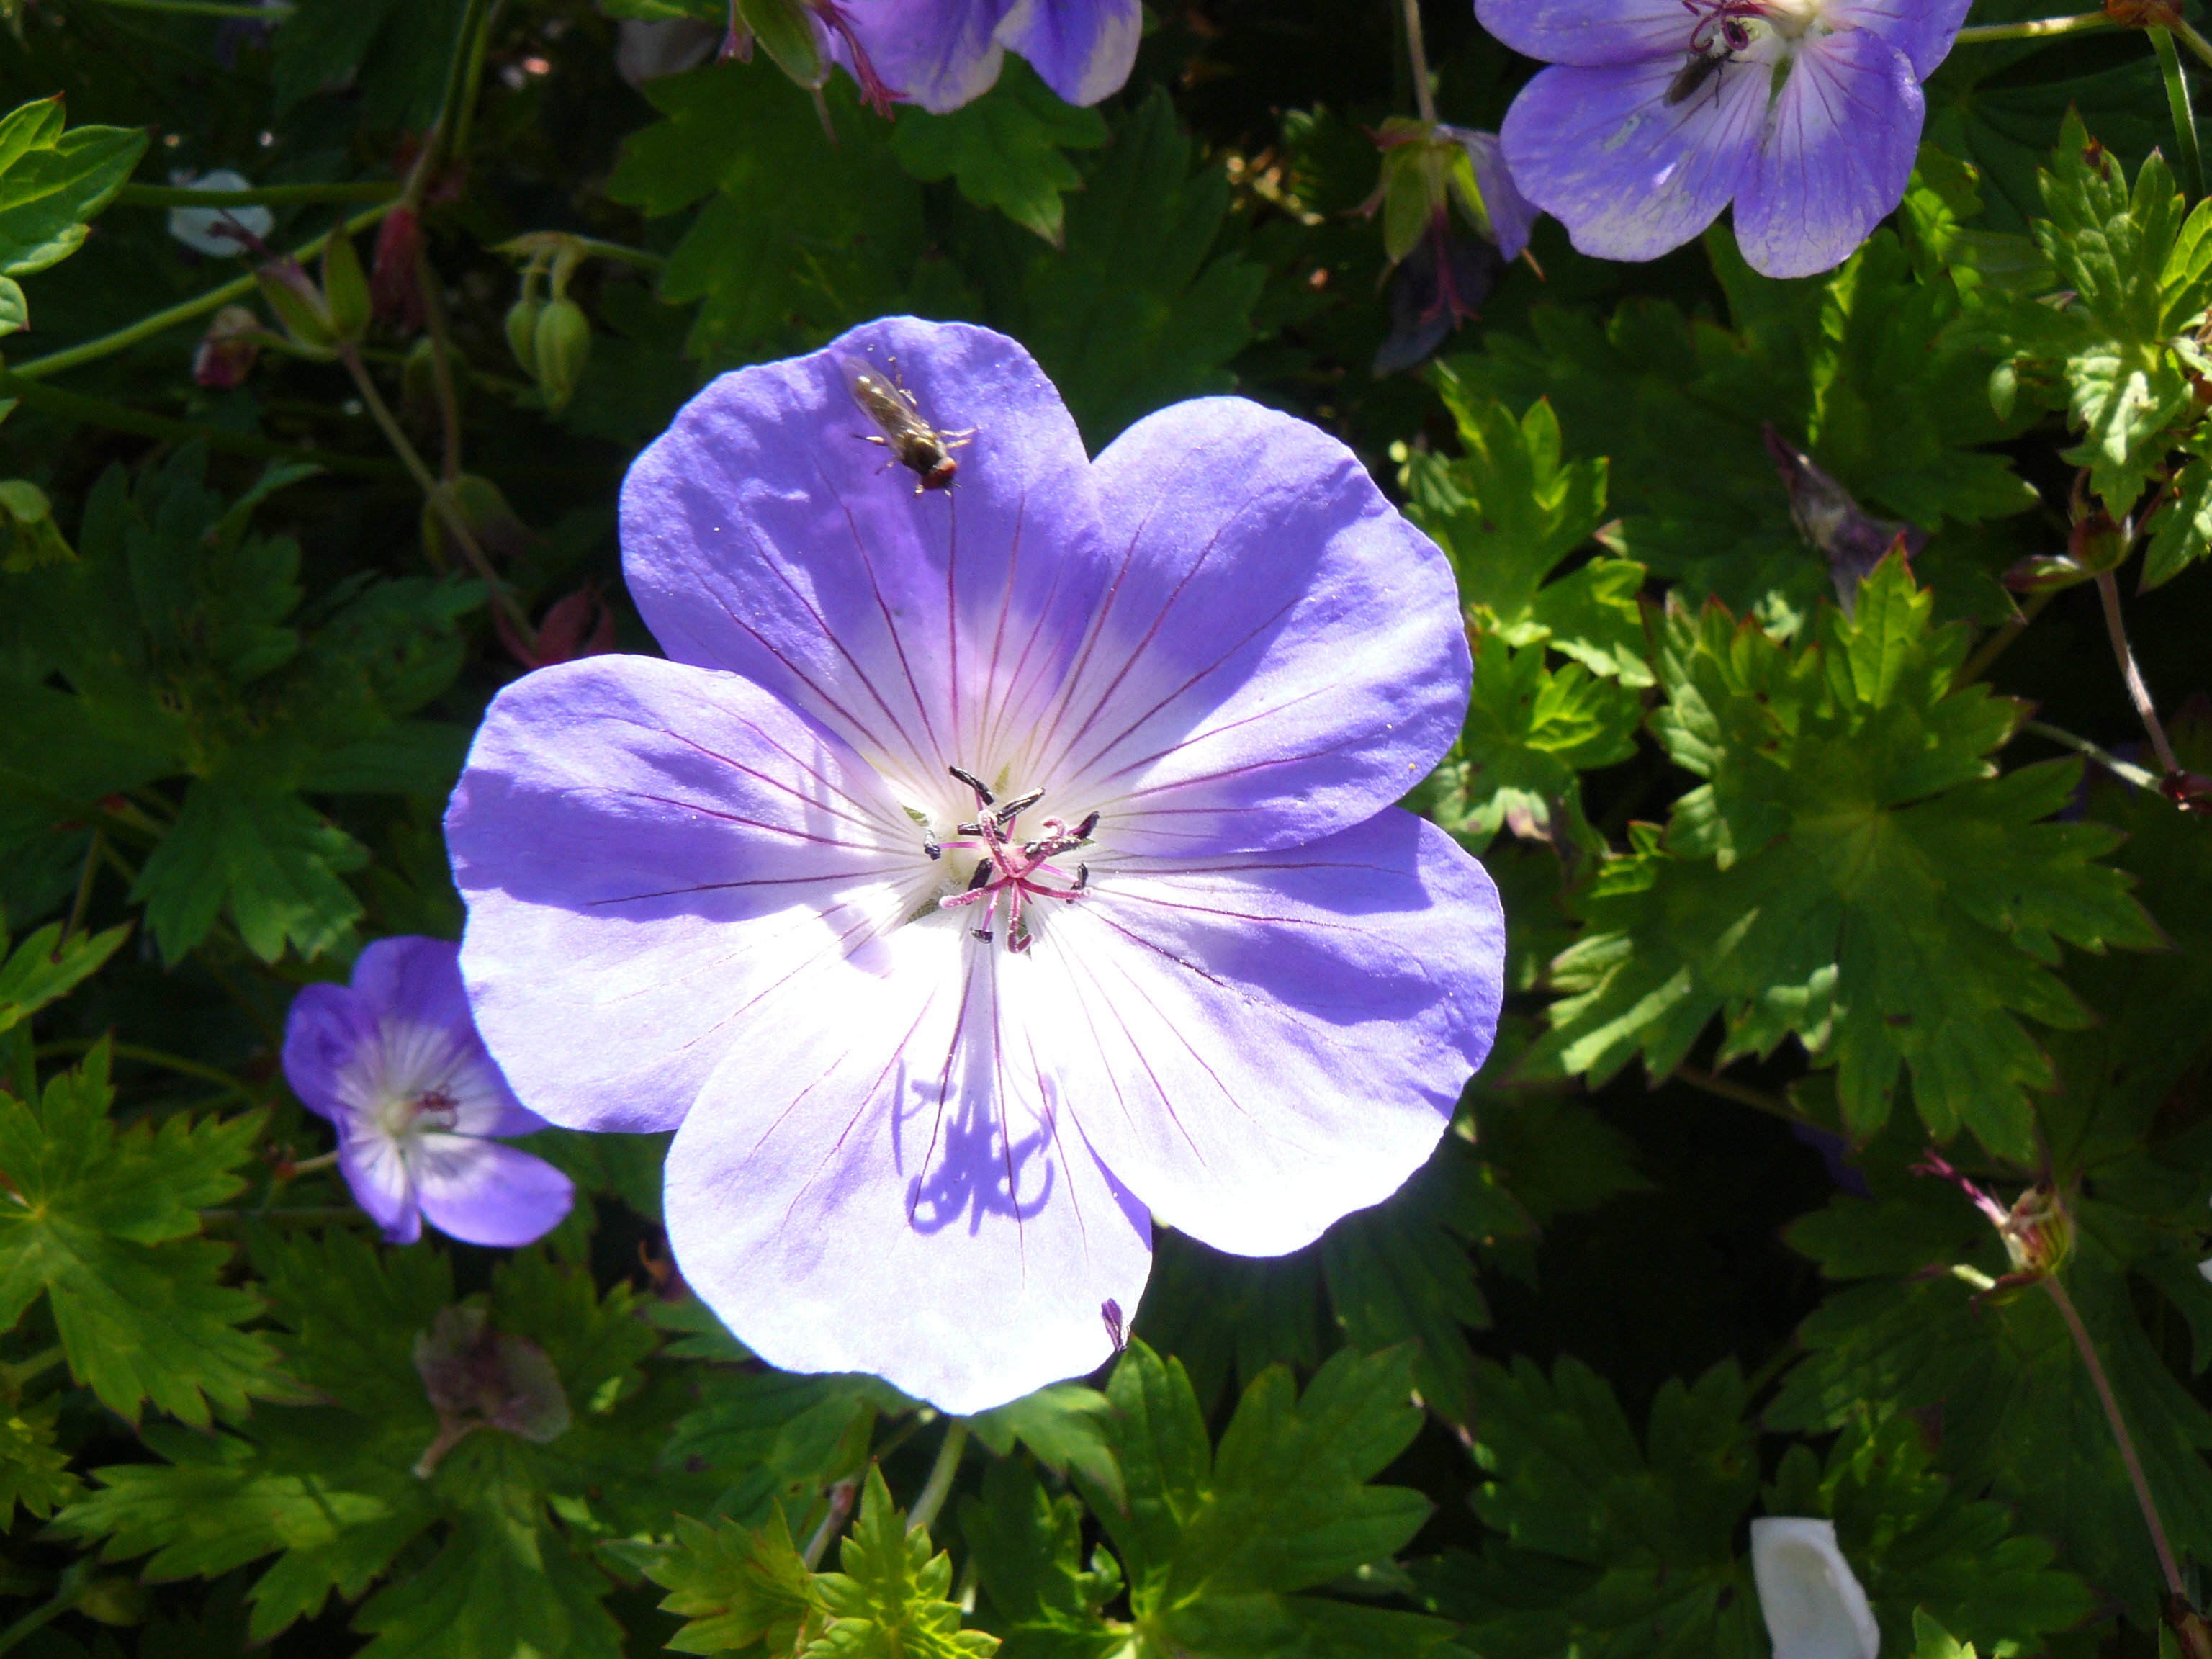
[(1728, 1088), (841, 1506), (76, 1580), (438, 502), (1994, 646), (308, 1166), (2119, 768), (940, 1484), (2186, 33), (161, 321), (22, 1371), (2034, 30), (171, 196), (1417, 57), (2109, 592), (2186, 151), (2165, 1562)]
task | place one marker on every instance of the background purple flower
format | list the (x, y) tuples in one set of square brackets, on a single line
[(394, 1062), (944, 54), (1809, 122), (701, 895)]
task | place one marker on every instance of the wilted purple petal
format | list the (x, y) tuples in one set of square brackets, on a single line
[(1084, 49), (482, 1193), (1629, 175), (1588, 32), (890, 1177), (1840, 140), (685, 847), (1221, 1022), (1512, 216)]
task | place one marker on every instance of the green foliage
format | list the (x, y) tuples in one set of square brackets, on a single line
[(186, 650), (1005, 150), (104, 1225), (2137, 267), (1852, 872), (51, 181), (46, 966)]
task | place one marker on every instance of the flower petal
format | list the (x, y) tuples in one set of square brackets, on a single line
[(370, 1162), (1084, 49), (482, 1193), (428, 1037), (1512, 216), (1260, 1044), (1631, 176), (939, 53), (1811, 1601), (1924, 30), (848, 1197), (1279, 654), (1836, 156), (329, 1027), (619, 817), (761, 535), (1589, 32)]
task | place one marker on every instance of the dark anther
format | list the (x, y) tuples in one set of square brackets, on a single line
[(982, 878), (1082, 878), (967, 828), (1013, 809), (929, 846), (973, 782), (984, 933), (1083, 829)]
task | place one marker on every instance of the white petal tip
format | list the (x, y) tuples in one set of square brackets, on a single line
[(1812, 1603)]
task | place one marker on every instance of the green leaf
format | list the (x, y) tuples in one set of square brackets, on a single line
[(1005, 149), (52, 181), (103, 1222), (2181, 529), (1064, 1428), (1140, 311), (34, 1471), (888, 1601), (1028, 1549), (269, 858), (37, 972), (1852, 874), (739, 1587)]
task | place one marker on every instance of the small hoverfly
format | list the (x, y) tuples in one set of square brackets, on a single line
[(903, 429), (1710, 51)]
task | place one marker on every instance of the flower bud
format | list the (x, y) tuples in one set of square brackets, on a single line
[(784, 30), (562, 343), (484, 512), (300, 306), (581, 625), (522, 332), (394, 294), (418, 381), (226, 353), (2098, 545), (33, 538)]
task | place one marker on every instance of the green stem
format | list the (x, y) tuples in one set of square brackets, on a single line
[(26, 1062), (442, 363), (310, 1165), (1742, 1093), (84, 884), (2112, 763), (76, 1580), (2185, 119), (170, 195), (159, 1057), (438, 144), (1417, 59), (2185, 31), (438, 502), (2166, 1561), (2037, 29), (311, 1215), (465, 116), (841, 1506), (38, 1364), (935, 1490), (116, 418), (161, 321), (1994, 646), (273, 14)]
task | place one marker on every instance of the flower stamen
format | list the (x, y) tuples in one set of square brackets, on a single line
[(1008, 870)]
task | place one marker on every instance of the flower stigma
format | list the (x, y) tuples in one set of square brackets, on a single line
[(1007, 870)]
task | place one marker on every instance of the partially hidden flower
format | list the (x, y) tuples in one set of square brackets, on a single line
[(1441, 278), (1813, 1602), (941, 54), (395, 292), (1657, 113), (198, 227), (394, 1062), (990, 870), (646, 50), (581, 625), (1829, 517), (479, 1377), (226, 352)]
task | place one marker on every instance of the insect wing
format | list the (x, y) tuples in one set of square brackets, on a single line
[(1701, 68)]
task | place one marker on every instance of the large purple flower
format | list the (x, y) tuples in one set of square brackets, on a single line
[(945, 53), (1807, 113), (933, 1060), (394, 1062)]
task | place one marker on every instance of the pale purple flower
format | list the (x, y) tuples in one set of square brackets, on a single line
[(394, 1062), (944, 54), (1657, 113), (1512, 216), (1213, 975)]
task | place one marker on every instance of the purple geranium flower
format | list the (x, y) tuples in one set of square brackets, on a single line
[(1807, 113), (394, 1062), (934, 1052), (944, 54)]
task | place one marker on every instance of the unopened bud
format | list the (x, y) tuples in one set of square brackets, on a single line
[(581, 625), (786, 32), (345, 288), (562, 343), (483, 512), (2097, 544), (226, 353), (522, 332), (418, 381), (300, 306), (394, 294)]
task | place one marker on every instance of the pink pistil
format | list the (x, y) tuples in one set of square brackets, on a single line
[(1009, 870)]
